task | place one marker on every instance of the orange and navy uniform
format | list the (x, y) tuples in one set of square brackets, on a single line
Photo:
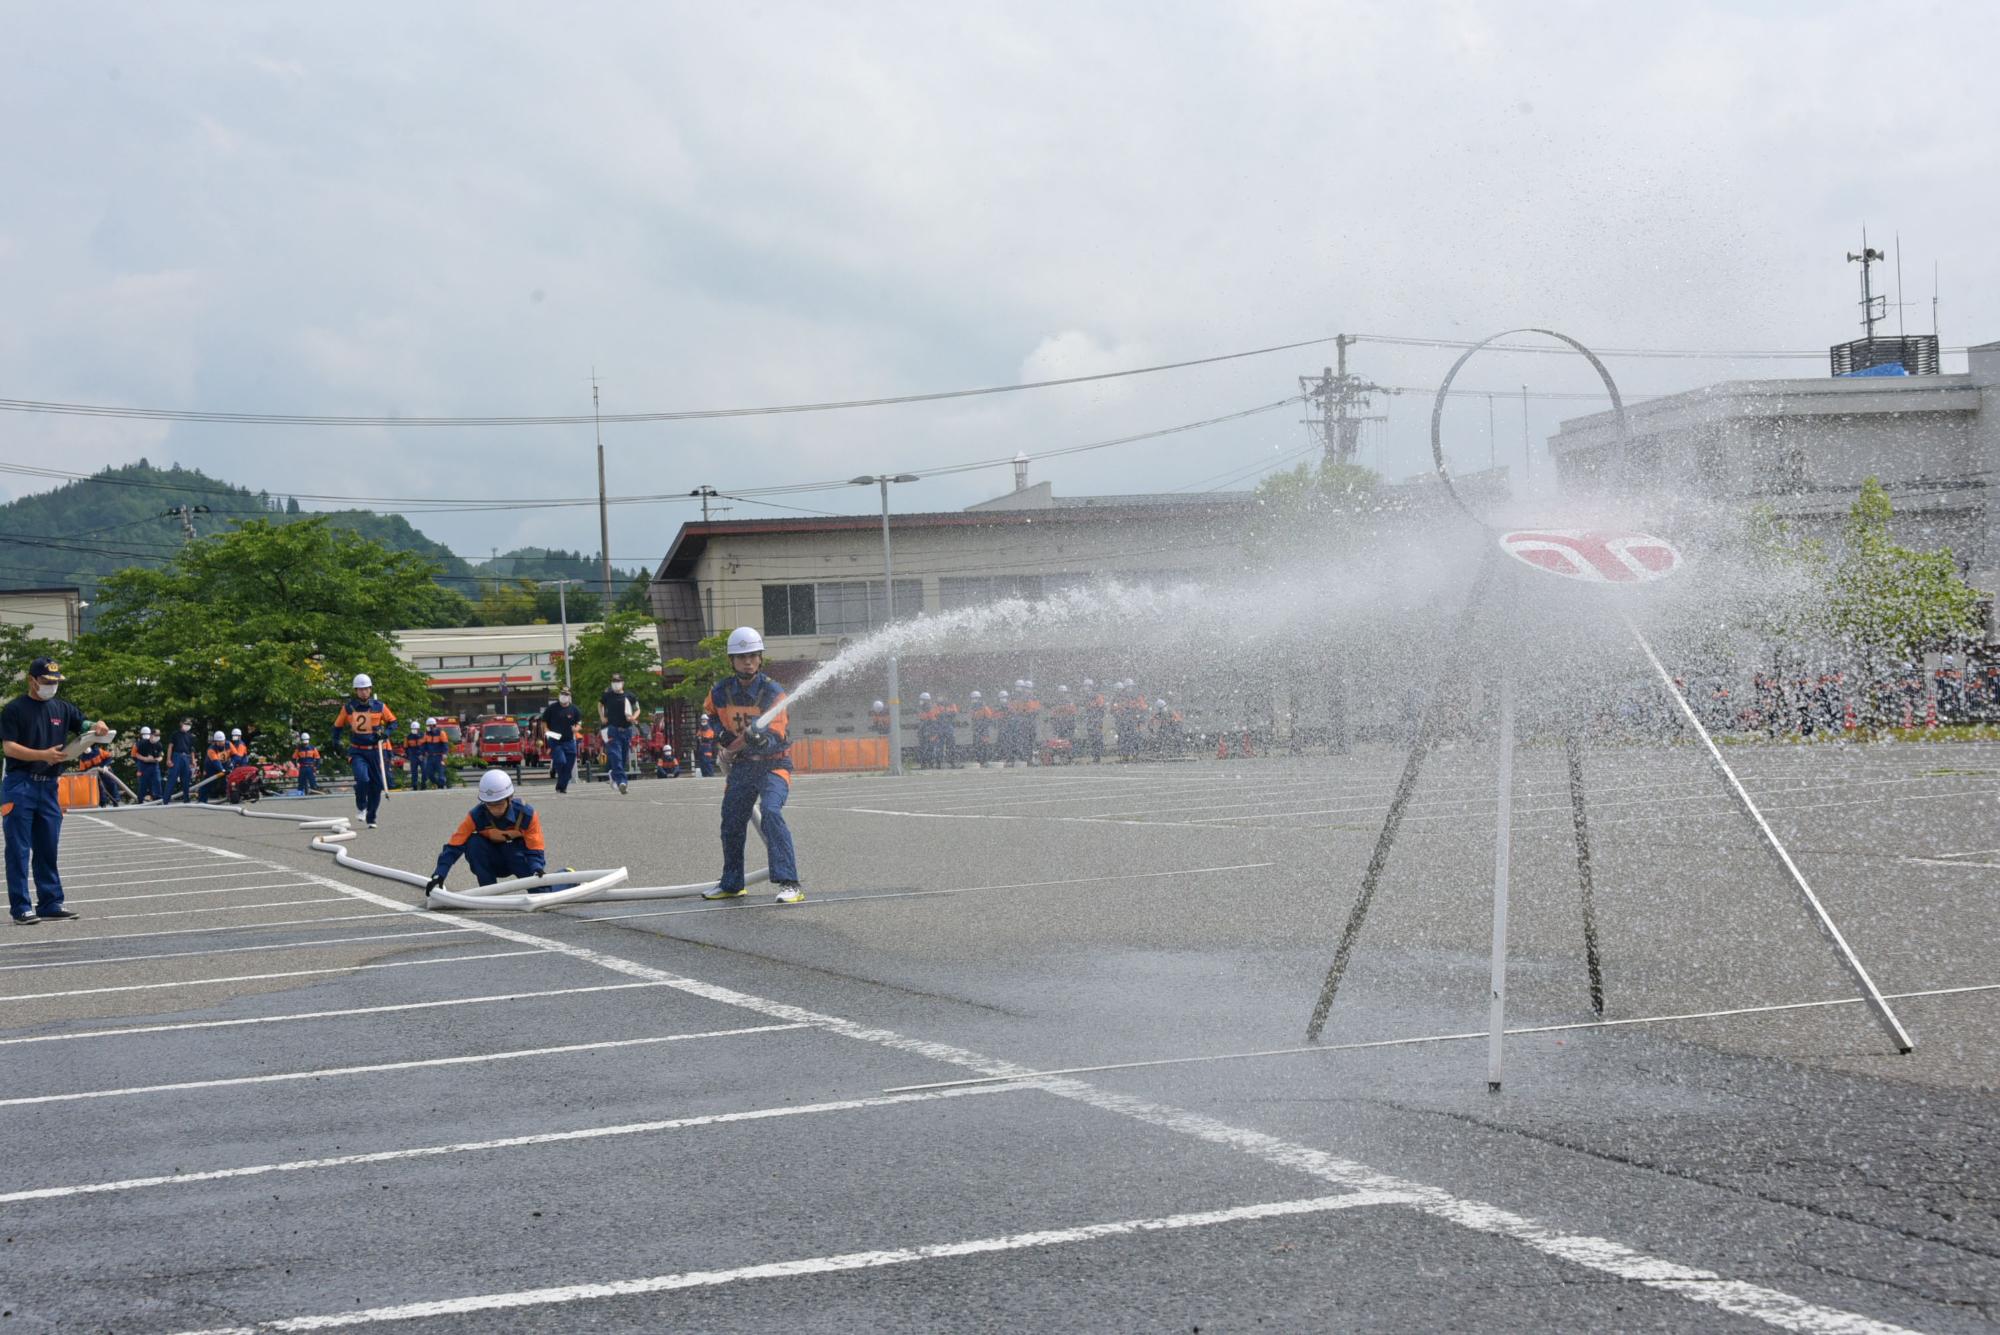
[(366, 719), (878, 721), (513, 838), (93, 757), (735, 704), (1062, 719), (239, 753), (984, 719), (306, 755), (218, 759)]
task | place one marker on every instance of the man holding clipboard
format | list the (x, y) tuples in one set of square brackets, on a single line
[(560, 720), (34, 728)]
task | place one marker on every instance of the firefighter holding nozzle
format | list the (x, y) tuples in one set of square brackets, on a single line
[(757, 758)]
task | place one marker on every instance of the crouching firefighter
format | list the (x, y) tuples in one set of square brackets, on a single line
[(758, 762), (500, 838)]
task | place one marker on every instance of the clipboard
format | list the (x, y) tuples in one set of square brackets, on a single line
[(88, 740)]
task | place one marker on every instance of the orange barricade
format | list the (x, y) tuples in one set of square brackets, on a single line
[(839, 755), (76, 790)]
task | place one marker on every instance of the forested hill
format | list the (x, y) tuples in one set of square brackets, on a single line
[(84, 530)]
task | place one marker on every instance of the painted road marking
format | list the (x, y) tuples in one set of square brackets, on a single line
[(243, 950), (225, 908), (1600, 1254), (329, 1071), (324, 1015), (178, 894), (262, 977), (818, 1265), (45, 942), (503, 1143), (919, 894)]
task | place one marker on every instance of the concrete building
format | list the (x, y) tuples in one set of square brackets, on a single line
[(1804, 447), (476, 670), (814, 585), (45, 614)]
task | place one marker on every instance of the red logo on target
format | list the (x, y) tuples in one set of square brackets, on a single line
[(1598, 556)]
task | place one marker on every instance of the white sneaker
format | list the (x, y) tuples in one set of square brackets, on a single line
[(371, 824), (792, 893)]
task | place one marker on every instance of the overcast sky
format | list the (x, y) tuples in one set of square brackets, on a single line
[(441, 209)]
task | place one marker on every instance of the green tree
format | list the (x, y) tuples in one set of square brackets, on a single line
[(709, 665), (17, 650), (1890, 599), (261, 628), (623, 643), (1309, 506)]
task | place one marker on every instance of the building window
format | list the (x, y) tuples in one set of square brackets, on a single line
[(788, 610), (856, 606), (427, 664), (455, 661), (977, 590)]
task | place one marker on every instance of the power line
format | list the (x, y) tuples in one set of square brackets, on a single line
[(677, 415)]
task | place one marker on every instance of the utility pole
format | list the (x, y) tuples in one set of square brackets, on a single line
[(705, 492), (561, 586), (603, 507), (1341, 401), (186, 513)]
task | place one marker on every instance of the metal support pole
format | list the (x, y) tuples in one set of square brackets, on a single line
[(1573, 754), (889, 592), (1503, 847), (562, 608), (1821, 919)]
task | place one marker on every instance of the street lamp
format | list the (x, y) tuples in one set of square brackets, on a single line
[(561, 586), (883, 480)]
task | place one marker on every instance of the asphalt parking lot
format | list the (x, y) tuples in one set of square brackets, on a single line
[(252, 1090)]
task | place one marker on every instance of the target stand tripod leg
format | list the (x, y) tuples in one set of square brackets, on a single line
[(1427, 725), (1821, 918), (1573, 755)]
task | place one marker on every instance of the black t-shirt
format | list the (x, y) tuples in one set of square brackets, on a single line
[(146, 748), (562, 718), (617, 708), (38, 725), (189, 741)]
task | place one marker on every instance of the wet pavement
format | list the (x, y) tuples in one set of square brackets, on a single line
[(259, 1087)]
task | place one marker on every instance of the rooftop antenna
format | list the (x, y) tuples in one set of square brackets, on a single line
[(1899, 285), (1934, 296), (1871, 305)]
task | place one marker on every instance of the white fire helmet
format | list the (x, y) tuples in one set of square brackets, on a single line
[(219, 737), (878, 707), (1062, 690), (745, 640), (1027, 685), (1089, 685), (145, 732), (305, 739), (495, 785), (922, 696), (430, 723), (977, 696), (235, 734), (362, 679), (1003, 695)]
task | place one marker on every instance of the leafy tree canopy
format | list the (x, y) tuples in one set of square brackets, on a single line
[(623, 642), (1892, 598), (709, 665), (261, 628)]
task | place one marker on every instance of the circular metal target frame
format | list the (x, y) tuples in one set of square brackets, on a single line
[(1444, 390)]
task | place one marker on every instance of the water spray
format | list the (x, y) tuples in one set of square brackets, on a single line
[(1591, 556)]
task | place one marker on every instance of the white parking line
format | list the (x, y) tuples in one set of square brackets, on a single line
[(1601, 1254), (211, 876), (919, 894), (326, 1015), (263, 977), (225, 908), (181, 894), (239, 950), (326, 1072), (46, 941), (817, 1265), (116, 871), (504, 1143)]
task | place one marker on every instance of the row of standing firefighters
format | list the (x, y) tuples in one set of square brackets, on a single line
[(1016, 727)]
